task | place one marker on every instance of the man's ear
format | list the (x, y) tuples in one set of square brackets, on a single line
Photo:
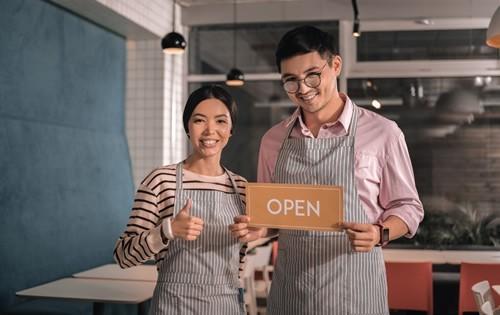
[(337, 64)]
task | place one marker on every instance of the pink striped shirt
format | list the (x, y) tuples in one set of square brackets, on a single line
[(383, 171)]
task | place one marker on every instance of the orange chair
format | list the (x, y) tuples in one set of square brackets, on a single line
[(471, 273), (409, 286)]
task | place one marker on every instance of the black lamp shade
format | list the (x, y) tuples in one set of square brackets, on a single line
[(173, 43), (355, 29), (235, 77)]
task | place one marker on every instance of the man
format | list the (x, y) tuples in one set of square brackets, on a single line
[(330, 141)]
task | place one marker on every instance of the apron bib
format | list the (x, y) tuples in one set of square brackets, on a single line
[(318, 272), (201, 276)]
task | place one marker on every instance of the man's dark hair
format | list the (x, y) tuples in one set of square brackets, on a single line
[(204, 93), (305, 39)]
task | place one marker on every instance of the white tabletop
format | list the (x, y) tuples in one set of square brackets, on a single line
[(496, 288), (114, 272), (93, 290), (454, 257)]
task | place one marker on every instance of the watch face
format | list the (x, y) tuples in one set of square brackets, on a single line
[(385, 235)]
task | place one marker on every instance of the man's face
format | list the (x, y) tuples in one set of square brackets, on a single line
[(312, 99)]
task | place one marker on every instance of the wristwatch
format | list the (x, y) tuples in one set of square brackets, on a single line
[(383, 233)]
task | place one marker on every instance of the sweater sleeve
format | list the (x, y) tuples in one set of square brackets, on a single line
[(143, 236)]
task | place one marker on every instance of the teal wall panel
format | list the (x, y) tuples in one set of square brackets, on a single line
[(65, 177)]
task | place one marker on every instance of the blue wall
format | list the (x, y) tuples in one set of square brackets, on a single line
[(65, 178)]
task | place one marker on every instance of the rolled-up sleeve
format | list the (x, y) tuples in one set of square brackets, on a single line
[(398, 194)]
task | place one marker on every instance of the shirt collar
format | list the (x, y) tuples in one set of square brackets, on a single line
[(344, 118)]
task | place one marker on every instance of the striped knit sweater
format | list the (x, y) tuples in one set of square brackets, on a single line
[(153, 203)]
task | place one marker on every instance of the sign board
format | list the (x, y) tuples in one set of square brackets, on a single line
[(300, 207)]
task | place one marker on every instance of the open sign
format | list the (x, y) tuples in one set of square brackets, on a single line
[(301, 207)]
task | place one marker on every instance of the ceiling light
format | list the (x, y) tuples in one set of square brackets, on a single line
[(355, 26), (173, 43), (355, 29), (235, 77), (493, 33), (376, 104)]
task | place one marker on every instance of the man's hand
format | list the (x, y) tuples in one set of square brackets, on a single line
[(185, 226), (245, 233), (363, 236)]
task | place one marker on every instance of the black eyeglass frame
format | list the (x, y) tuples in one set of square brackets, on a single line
[(309, 75)]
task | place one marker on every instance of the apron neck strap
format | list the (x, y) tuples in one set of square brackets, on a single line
[(235, 187), (178, 188)]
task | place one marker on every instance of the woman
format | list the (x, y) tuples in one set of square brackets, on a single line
[(181, 215)]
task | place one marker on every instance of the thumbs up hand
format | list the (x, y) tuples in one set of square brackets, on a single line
[(185, 226)]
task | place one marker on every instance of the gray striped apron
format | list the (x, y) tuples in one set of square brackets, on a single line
[(318, 272), (201, 276)]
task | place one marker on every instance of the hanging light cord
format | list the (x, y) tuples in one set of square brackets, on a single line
[(355, 9), (173, 20), (234, 34)]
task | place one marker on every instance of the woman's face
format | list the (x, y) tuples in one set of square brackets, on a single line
[(209, 128)]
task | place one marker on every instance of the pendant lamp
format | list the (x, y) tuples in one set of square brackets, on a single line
[(493, 33), (173, 43), (355, 26), (235, 77)]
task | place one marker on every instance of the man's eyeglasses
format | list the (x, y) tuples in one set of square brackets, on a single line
[(312, 80)]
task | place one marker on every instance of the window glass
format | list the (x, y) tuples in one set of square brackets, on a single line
[(424, 45), (211, 48), (452, 128)]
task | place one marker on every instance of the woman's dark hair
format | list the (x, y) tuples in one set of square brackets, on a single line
[(305, 39), (205, 93)]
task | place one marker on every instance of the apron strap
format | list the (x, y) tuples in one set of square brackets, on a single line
[(353, 125), (235, 187), (178, 188)]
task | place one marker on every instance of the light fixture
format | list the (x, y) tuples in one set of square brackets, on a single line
[(376, 103), (355, 26), (235, 77), (173, 43), (493, 33), (355, 29)]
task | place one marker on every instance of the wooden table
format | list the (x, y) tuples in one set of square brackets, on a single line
[(97, 291), (114, 272)]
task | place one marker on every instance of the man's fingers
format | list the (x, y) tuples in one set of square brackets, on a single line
[(353, 235), (360, 227), (361, 249), (361, 243)]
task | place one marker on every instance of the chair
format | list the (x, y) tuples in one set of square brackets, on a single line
[(481, 292), (471, 274), (409, 286), (249, 288), (263, 270)]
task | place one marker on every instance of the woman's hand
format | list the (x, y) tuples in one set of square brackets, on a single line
[(245, 233), (185, 226)]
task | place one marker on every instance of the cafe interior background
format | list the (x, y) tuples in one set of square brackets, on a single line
[(89, 104)]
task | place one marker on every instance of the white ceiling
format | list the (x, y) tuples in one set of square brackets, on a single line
[(200, 12)]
